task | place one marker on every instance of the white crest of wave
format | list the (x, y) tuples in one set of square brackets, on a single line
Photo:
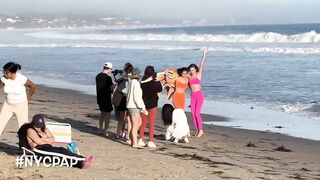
[(308, 37), (280, 50), (94, 45)]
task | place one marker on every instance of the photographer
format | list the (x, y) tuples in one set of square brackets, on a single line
[(120, 97)]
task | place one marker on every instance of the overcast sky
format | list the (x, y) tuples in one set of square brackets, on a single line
[(208, 12)]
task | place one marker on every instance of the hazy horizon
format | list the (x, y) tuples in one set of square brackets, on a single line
[(207, 12)]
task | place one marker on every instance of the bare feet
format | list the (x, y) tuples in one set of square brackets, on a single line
[(88, 162), (200, 133), (186, 140), (196, 135)]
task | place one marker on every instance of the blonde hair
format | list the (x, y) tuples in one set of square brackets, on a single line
[(135, 76)]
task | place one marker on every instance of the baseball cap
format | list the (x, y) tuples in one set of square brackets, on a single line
[(38, 121), (108, 65), (135, 71)]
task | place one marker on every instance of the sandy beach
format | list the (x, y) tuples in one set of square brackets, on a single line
[(222, 153)]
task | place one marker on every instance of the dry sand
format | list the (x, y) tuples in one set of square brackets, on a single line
[(222, 153)]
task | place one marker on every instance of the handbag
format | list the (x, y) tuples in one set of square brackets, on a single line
[(117, 98)]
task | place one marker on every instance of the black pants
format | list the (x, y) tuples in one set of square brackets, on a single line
[(59, 152)]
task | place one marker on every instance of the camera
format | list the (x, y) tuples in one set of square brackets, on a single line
[(118, 75), (116, 72)]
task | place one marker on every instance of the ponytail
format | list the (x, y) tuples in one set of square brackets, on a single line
[(12, 67)]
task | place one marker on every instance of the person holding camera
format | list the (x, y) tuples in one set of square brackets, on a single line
[(120, 98), (104, 87)]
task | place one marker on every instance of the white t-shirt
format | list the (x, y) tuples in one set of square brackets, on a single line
[(15, 90)]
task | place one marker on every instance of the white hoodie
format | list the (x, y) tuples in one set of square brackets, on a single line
[(134, 95), (179, 127)]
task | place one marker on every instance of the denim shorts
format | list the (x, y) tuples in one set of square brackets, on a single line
[(132, 111)]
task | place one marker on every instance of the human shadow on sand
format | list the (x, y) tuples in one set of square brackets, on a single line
[(10, 149), (158, 126), (85, 127), (77, 124)]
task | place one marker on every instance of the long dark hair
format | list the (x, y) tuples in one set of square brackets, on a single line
[(43, 129), (193, 66), (11, 67), (180, 70), (128, 67), (148, 72), (166, 114)]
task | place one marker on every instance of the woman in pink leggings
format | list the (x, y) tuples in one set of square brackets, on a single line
[(197, 97)]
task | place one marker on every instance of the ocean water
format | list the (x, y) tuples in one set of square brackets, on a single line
[(259, 76)]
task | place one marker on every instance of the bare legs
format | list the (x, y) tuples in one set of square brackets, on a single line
[(135, 121), (129, 129), (121, 123)]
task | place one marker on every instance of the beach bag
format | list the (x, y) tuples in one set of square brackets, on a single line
[(117, 98), (73, 147)]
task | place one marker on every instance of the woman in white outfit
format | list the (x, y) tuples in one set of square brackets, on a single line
[(16, 101), (176, 123)]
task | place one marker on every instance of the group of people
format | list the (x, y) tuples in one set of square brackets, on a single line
[(130, 96), (137, 98), (34, 136)]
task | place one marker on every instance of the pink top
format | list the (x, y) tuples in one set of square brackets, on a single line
[(194, 81)]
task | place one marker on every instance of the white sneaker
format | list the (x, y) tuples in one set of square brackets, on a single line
[(124, 135), (151, 144), (128, 141), (141, 143)]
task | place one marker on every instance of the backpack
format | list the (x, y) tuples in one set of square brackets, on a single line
[(22, 134)]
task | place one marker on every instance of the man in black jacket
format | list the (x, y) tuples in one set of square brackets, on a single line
[(105, 87)]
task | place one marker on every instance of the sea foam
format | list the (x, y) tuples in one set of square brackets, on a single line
[(251, 49), (307, 37)]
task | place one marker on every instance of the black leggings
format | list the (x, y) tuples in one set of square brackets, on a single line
[(62, 153)]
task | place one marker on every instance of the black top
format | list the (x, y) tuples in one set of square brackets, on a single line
[(150, 92), (22, 134), (103, 86)]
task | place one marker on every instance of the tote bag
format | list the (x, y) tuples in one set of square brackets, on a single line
[(116, 98)]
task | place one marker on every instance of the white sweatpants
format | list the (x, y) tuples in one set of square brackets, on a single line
[(7, 111)]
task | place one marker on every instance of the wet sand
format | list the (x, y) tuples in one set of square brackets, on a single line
[(222, 153)]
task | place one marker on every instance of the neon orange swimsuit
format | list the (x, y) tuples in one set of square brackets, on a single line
[(179, 96)]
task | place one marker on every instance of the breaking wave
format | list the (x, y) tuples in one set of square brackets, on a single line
[(281, 50), (307, 37)]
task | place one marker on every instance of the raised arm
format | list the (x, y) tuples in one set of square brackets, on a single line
[(205, 51)]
